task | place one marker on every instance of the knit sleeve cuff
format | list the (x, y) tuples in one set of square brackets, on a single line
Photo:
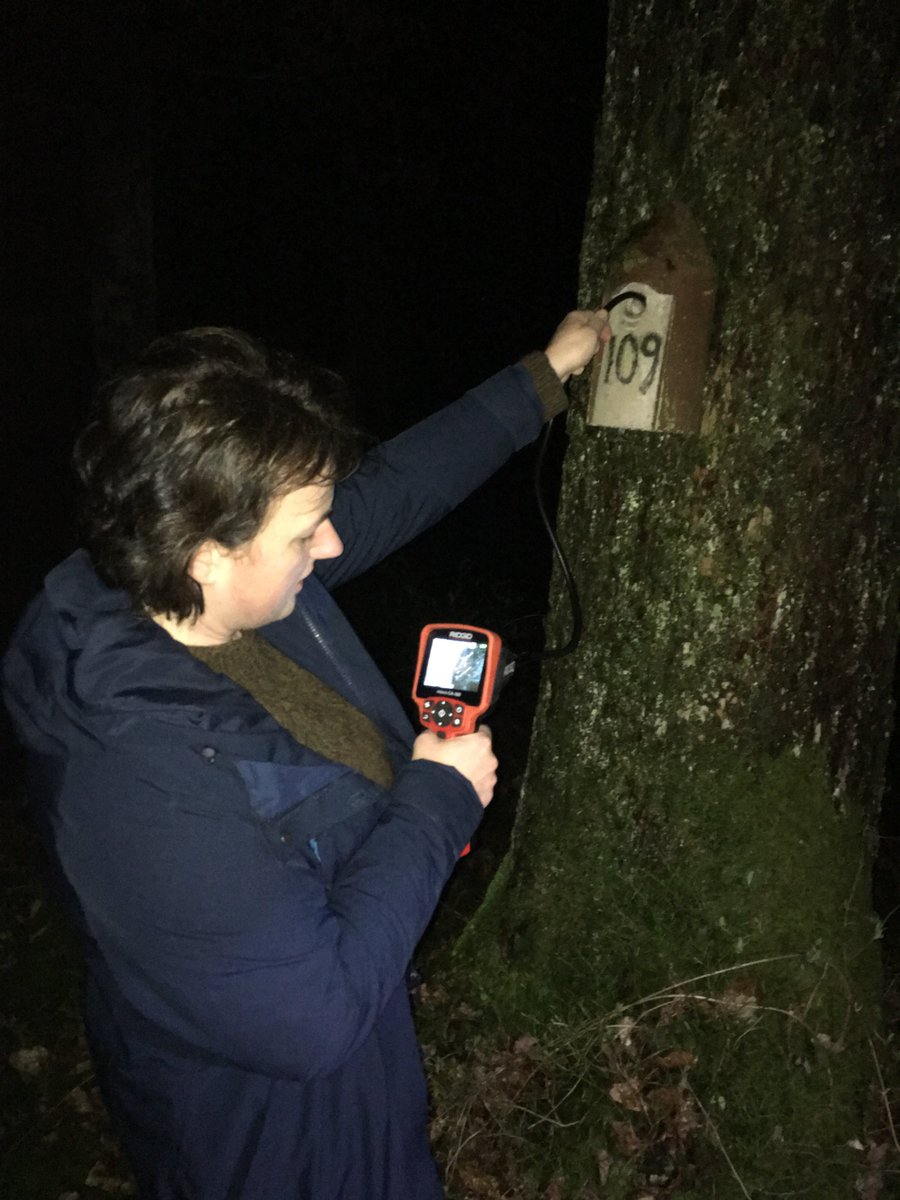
[(551, 392)]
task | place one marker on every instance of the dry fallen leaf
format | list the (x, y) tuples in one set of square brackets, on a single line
[(677, 1058), (107, 1181), (742, 997), (628, 1094), (740, 1000), (30, 1060), (828, 1044), (604, 1165), (80, 1101), (627, 1140), (665, 1099), (672, 1011), (479, 1184), (624, 1030), (524, 1045)]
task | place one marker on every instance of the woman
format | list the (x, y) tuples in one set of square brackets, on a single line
[(246, 829)]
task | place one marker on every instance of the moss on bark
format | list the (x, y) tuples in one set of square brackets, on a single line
[(706, 771)]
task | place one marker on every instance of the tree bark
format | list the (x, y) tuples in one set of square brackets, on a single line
[(683, 922)]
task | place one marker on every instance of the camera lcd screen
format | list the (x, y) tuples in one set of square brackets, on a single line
[(456, 666)]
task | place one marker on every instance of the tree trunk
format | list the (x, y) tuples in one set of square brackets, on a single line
[(681, 938)]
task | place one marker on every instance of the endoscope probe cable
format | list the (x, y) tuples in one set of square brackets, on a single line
[(568, 577)]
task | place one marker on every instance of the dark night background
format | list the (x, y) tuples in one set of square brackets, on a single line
[(396, 191)]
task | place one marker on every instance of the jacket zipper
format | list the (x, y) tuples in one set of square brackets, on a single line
[(331, 656)]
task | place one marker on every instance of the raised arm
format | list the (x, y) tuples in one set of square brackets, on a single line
[(407, 484)]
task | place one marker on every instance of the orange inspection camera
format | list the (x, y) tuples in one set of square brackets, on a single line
[(460, 673)]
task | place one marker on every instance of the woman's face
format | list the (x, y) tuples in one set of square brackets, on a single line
[(258, 582)]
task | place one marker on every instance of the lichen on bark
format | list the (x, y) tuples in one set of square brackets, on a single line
[(706, 770)]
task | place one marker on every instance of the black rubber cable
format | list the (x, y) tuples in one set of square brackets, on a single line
[(568, 577)]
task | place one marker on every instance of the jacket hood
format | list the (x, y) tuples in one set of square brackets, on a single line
[(81, 653)]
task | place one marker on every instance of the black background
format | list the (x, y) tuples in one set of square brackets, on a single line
[(396, 191)]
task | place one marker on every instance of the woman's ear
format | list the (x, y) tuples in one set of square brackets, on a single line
[(206, 564)]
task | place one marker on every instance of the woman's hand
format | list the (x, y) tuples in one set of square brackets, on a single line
[(577, 339), (471, 755)]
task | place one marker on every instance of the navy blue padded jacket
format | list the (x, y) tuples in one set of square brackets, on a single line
[(249, 908)]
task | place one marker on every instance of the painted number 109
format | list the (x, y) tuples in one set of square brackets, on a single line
[(625, 355)]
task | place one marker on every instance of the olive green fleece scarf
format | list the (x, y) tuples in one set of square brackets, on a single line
[(307, 708)]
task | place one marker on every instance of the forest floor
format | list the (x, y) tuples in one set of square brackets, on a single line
[(54, 1131)]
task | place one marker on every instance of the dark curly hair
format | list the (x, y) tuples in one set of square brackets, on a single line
[(193, 441)]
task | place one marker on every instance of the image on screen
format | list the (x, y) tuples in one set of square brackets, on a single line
[(456, 665)]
